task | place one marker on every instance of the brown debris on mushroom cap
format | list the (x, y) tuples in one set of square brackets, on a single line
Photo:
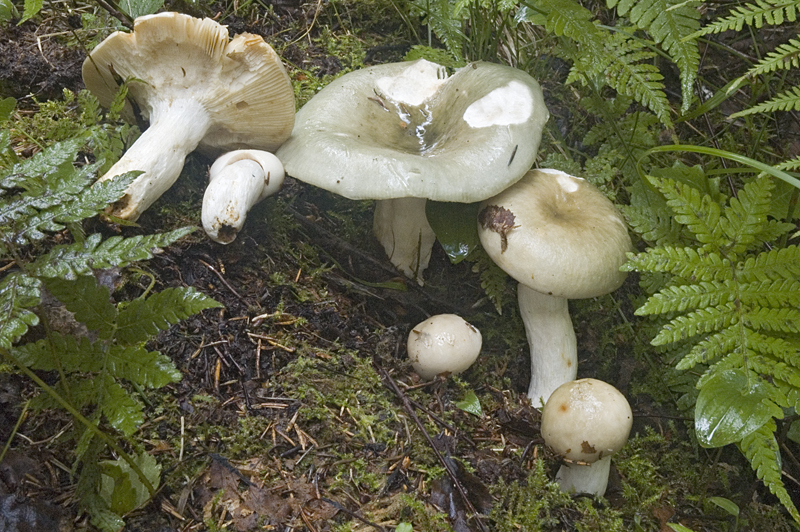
[(568, 239), (240, 81)]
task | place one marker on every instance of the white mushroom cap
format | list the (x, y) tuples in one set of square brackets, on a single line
[(237, 181), (586, 421), (408, 130), (197, 88), (444, 342), (562, 236)]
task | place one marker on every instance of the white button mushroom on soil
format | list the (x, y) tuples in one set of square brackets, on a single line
[(237, 181), (403, 133), (443, 343), (586, 421), (560, 238), (196, 88)]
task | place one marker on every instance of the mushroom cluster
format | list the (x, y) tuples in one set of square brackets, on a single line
[(197, 88), (560, 238), (404, 133)]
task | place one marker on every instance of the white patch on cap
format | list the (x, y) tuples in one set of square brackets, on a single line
[(510, 104), (567, 182), (415, 85)]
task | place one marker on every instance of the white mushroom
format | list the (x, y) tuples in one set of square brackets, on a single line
[(586, 421), (443, 343), (237, 181), (403, 133), (196, 88), (560, 238)]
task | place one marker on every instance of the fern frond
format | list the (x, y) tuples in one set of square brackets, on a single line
[(775, 264), (784, 57), (746, 214), (569, 19), (18, 293), (684, 262), (654, 227), (680, 298), (697, 322), (145, 368), (142, 318), (776, 370), (777, 293), (711, 348), (59, 352), (761, 450), (788, 100), (120, 408), (88, 301), (28, 174), (698, 212), (772, 12), (73, 260), (668, 22), (442, 18), (787, 350), (773, 319)]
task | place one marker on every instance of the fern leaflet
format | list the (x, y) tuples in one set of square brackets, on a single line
[(772, 12), (788, 100)]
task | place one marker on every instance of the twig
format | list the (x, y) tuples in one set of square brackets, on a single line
[(392, 385), (124, 19), (352, 514), (221, 278)]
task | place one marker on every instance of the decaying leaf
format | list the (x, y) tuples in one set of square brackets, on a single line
[(498, 219)]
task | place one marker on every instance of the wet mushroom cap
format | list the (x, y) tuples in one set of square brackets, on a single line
[(586, 420), (443, 343), (241, 82), (409, 130), (556, 234)]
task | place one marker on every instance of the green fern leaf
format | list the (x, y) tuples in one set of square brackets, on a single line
[(773, 319), (73, 260), (145, 368), (761, 450), (568, 18), (699, 213), (684, 262), (709, 349), (783, 292), (772, 12), (143, 318), (120, 408), (441, 17), (680, 298), (784, 57), (668, 22), (28, 174), (746, 214), (697, 322), (60, 352), (18, 293), (775, 264), (788, 100), (89, 301), (787, 350), (776, 370)]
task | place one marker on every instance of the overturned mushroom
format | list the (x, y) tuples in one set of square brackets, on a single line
[(237, 181), (560, 238), (403, 133), (196, 88)]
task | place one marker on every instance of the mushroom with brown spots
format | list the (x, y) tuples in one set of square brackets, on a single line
[(586, 421), (560, 238), (197, 88), (404, 133)]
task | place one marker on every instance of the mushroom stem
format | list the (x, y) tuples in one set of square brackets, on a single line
[(551, 337), (176, 128), (238, 180), (590, 478), (402, 228)]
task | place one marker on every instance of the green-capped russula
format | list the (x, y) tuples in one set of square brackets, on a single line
[(197, 88), (404, 133), (560, 238), (586, 421)]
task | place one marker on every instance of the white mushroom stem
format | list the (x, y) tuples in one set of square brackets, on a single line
[(238, 180), (176, 128), (591, 478), (551, 337), (402, 228)]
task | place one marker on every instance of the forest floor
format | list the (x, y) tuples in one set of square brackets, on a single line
[(298, 409)]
